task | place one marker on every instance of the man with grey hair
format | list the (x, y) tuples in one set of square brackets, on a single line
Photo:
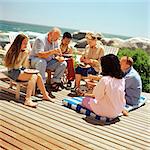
[(43, 53)]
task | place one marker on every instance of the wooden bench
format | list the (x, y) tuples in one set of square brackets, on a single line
[(17, 84)]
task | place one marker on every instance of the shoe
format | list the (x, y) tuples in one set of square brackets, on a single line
[(73, 89), (38, 91), (76, 92), (48, 87), (79, 92), (61, 85), (51, 95), (69, 84), (54, 87), (30, 103)]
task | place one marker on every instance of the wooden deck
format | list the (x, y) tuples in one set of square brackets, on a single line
[(53, 126)]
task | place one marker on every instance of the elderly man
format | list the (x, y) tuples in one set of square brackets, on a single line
[(44, 51), (133, 84)]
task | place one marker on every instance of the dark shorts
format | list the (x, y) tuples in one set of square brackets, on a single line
[(85, 71), (14, 73)]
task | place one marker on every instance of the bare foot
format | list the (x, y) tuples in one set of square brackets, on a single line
[(30, 103), (47, 98), (125, 113)]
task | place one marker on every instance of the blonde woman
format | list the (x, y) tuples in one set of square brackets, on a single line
[(91, 60), (16, 60)]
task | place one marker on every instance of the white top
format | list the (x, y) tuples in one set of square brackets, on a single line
[(109, 97)]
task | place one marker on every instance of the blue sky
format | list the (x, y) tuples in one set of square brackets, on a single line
[(123, 17)]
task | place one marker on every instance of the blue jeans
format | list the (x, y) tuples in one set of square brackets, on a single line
[(85, 71), (14, 73), (41, 65)]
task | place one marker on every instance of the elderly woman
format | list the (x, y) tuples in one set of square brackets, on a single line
[(90, 60)]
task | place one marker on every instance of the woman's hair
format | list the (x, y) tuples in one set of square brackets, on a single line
[(14, 50), (91, 36), (111, 66), (67, 35)]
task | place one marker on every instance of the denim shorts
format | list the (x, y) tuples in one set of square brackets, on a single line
[(85, 71), (14, 73)]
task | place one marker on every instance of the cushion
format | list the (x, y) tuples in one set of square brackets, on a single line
[(75, 104), (142, 102)]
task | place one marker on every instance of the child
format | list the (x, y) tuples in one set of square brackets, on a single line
[(66, 49), (16, 60)]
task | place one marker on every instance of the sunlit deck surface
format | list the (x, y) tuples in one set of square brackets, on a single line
[(53, 126)]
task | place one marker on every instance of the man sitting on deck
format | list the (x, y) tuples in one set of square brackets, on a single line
[(133, 83), (44, 51)]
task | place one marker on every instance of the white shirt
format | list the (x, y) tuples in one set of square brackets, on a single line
[(109, 97)]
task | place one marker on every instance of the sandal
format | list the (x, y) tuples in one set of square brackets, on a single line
[(79, 92), (76, 93), (55, 87)]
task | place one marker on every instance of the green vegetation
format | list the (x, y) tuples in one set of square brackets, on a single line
[(141, 64)]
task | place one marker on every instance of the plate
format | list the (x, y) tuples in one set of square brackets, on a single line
[(82, 65), (32, 71), (67, 55), (91, 83)]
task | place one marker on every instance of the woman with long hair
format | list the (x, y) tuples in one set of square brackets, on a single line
[(16, 60), (109, 92)]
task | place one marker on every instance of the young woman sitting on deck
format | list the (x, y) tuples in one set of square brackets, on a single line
[(109, 93), (16, 60)]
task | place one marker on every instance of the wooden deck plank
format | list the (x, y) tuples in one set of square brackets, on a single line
[(44, 139), (53, 126), (33, 140), (67, 115), (52, 138), (16, 135), (107, 136), (15, 142), (72, 119), (65, 119), (7, 146)]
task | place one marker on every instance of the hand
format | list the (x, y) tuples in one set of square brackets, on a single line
[(89, 95), (58, 52), (90, 77), (94, 77), (87, 61), (59, 58), (82, 59)]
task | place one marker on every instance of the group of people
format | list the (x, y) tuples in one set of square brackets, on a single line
[(120, 83)]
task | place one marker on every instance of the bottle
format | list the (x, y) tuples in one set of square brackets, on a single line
[(75, 57)]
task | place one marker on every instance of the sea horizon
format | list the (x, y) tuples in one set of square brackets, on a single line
[(13, 26)]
